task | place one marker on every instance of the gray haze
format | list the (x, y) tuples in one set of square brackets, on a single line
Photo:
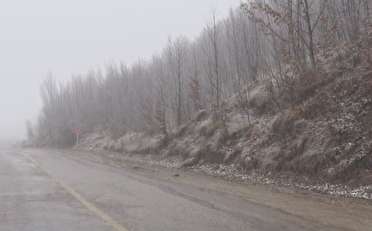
[(71, 36)]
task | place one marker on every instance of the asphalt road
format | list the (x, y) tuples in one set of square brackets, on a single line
[(58, 191)]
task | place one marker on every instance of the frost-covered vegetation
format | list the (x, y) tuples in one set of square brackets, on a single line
[(277, 87)]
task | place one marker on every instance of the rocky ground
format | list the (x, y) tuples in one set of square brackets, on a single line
[(231, 173)]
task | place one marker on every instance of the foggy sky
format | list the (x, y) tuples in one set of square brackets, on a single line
[(72, 36)]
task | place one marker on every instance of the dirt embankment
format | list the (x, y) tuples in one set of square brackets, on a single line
[(322, 136), (327, 138)]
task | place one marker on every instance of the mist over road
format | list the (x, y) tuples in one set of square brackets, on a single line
[(52, 190)]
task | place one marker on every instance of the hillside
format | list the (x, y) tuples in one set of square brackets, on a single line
[(277, 91), (325, 137)]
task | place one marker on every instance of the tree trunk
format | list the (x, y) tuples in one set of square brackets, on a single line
[(310, 34)]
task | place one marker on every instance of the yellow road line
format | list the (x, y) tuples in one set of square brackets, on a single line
[(90, 206)]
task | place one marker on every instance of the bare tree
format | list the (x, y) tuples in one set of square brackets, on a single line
[(30, 131)]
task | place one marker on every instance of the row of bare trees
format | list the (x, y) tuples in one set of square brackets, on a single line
[(263, 40)]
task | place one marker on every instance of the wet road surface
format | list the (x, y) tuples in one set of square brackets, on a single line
[(54, 191)]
